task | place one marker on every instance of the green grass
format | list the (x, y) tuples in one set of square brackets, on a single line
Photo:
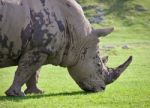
[(131, 90)]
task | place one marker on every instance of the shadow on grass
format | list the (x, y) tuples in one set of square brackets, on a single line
[(17, 99)]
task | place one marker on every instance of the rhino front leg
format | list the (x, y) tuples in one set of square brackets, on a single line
[(28, 64), (32, 84)]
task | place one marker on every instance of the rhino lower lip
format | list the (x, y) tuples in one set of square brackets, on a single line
[(102, 87)]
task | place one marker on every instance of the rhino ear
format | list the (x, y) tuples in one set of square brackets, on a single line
[(102, 32)]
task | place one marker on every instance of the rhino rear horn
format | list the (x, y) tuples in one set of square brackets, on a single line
[(102, 32), (113, 74)]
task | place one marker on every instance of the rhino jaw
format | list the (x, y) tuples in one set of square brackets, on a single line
[(113, 74)]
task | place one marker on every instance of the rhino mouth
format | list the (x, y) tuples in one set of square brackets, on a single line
[(91, 87)]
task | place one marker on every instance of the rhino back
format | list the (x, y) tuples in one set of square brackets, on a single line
[(55, 27)]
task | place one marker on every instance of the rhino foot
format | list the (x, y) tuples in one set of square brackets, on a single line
[(33, 90), (14, 92)]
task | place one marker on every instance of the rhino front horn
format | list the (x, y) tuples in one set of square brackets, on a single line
[(113, 74), (102, 32)]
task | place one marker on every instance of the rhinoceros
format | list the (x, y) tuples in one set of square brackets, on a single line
[(39, 32)]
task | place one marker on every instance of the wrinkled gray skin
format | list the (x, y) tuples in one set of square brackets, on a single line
[(38, 32)]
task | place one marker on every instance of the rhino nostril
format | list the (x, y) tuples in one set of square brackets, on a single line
[(103, 88)]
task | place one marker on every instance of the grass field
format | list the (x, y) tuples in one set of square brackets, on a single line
[(131, 90)]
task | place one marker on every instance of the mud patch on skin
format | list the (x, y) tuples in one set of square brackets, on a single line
[(7, 47), (33, 59), (26, 35), (38, 33), (1, 17), (43, 2), (50, 38), (98, 64), (36, 58), (4, 41), (59, 23), (48, 14)]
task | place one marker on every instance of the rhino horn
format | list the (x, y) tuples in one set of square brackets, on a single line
[(113, 74), (102, 32)]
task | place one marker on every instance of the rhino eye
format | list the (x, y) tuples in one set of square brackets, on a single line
[(84, 51)]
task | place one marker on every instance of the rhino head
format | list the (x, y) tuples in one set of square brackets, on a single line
[(91, 72)]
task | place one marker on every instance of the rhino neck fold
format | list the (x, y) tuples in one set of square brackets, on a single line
[(76, 30), (74, 45)]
